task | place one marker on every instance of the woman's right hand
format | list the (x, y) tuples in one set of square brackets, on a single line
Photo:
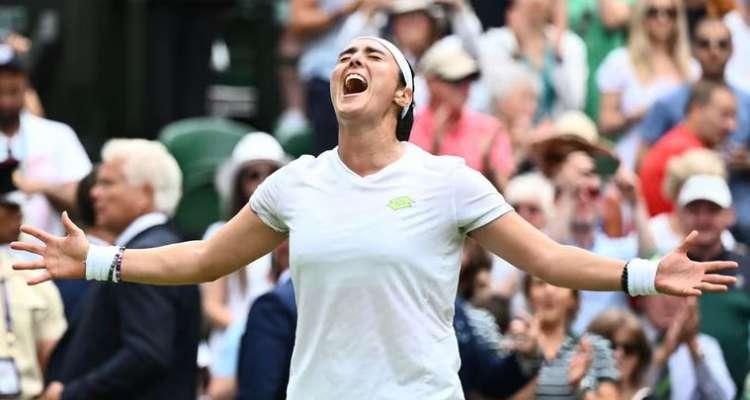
[(680, 330), (523, 332), (580, 362), (61, 257)]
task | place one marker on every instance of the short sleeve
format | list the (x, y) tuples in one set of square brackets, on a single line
[(612, 73), (50, 321), (267, 199), (74, 163), (476, 202)]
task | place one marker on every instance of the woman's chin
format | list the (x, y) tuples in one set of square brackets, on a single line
[(550, 317), (351, 111)]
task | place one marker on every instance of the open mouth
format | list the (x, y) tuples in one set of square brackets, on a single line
[(354, 84)]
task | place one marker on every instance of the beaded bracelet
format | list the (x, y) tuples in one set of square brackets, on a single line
[(116, 277), (624, 279), (114, 269)]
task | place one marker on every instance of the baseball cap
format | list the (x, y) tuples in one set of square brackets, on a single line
[(407, 6), (711, 188), (9, 60), (254, 146), (448, 60)]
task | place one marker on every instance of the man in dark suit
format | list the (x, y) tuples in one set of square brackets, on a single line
[(130, 340), (266, 347)]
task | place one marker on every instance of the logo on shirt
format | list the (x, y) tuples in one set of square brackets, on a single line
[(400, 202)]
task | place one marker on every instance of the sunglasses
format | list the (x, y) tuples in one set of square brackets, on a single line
[(667, 12), (458, 82), (627, 348), (256, 174), (591, 192), (530, 208), (703, 43)]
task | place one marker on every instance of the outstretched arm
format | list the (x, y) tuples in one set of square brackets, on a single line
[(243, 239), (518, 242)]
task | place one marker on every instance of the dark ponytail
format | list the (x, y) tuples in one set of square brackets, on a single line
[(404, 124)]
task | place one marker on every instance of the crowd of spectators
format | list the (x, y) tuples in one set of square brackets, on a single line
[(618, 126)]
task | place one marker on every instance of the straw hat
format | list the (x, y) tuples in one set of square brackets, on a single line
[(572, 131)]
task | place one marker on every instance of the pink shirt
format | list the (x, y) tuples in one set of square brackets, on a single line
[(466, 139)]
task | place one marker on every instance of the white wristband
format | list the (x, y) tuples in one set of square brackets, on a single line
[(642, 277), (99, 261)]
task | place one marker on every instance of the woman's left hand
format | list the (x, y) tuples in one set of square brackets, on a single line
[(679, 276)]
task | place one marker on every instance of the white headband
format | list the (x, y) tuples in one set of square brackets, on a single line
[(403, 65)]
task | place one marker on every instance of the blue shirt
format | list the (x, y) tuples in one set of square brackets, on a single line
[(669, 110)]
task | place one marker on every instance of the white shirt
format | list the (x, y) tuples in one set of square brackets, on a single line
[(50, 152), (139, 225), (685, 375), (682, 371), (738, 67), (375, 263)]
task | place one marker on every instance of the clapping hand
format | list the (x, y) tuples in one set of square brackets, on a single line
[(580, 362), (628, 185), (523, 332)]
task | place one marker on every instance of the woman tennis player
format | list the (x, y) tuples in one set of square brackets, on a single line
[(376, 228)]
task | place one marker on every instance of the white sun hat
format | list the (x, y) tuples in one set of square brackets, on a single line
[(255, 146)]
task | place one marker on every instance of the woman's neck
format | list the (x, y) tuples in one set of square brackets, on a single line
[(551, 338), (367, 150), (627, 389), (661, 48)]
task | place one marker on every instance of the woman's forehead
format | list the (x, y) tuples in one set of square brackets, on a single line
[(367, 42), (368, 45)]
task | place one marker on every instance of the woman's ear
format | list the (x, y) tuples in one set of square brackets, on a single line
[(403, 97)]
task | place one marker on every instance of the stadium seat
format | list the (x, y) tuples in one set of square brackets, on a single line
[(200, 145)]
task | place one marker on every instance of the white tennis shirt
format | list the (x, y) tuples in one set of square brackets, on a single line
[(375, 263)]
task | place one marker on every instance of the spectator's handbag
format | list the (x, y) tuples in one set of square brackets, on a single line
[(10, 378)]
